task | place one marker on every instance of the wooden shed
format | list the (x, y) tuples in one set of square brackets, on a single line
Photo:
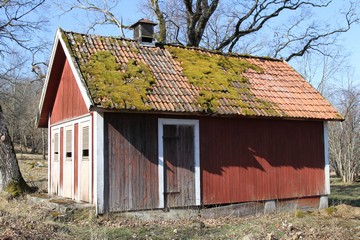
[(138, 126)]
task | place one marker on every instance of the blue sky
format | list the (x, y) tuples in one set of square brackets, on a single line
[(129, 12)]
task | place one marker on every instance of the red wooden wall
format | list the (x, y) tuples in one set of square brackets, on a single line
[(241, 160), (68, 102), (248, 160)]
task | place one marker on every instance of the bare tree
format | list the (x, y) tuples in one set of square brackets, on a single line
[(235, 25), (344, 137), (17, 29), (322, 70), (99, 12), (220, 26)]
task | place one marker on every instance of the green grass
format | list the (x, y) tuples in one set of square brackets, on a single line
[(344, 193)]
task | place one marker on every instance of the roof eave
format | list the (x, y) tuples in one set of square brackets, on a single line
[(208, 114)]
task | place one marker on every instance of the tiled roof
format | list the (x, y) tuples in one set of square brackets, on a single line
[(275, 91)]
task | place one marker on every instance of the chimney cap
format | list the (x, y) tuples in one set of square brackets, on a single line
[(143, 20)]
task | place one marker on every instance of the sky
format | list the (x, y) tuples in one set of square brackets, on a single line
[(129, 12)]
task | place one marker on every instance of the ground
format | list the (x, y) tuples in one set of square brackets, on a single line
[(23, 218)]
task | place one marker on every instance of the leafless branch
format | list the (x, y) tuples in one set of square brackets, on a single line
[(102, 10)]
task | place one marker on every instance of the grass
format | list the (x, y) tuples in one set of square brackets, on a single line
[(344, 193), (23, 219)]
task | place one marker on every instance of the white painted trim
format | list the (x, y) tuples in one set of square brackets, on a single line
[(42, 98), (79, 81), (99, 162), (189, 122), (161, 163), (49, 156), (91, 159), (73, 121), (197, 163), (326, 158)]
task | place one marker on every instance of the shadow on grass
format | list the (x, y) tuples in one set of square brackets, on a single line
[(342, 193)]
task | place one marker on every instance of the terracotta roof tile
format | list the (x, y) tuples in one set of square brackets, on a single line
[(276, 91)]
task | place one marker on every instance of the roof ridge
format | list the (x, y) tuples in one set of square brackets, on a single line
[(222, 53), (182, 46), (98, 35)]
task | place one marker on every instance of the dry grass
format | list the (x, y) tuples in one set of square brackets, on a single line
[(34, 170), (24, 219)]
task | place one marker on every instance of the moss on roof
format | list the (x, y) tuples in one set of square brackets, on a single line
[(215, 75), (115, 86)]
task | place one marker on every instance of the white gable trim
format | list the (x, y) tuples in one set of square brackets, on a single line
[(84, 93), (79, 81), (42, 98), (190, 122)]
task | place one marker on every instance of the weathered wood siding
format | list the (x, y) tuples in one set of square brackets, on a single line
[(131, 177), (68, 102), (179, 177), (249, 160), (241, 160)]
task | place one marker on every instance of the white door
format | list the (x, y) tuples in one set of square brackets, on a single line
[(85, 161), (68, 162), (55, 161)]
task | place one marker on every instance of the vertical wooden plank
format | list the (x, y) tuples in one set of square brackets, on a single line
[(132, 160), (179, 174), (250, 160)]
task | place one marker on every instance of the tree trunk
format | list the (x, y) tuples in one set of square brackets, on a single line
[(11, 179)]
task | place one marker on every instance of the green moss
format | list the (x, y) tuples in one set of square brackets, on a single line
[(299, 214), (134, 50), (216, 76), (330, 210), (55, 214), (116, 86), (112, 41), (79, 39), (66, 40), (17, 188)]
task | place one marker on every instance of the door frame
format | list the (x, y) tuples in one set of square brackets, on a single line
[(182, 122)]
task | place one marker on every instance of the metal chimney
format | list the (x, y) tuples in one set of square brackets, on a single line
[(144, 31)]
